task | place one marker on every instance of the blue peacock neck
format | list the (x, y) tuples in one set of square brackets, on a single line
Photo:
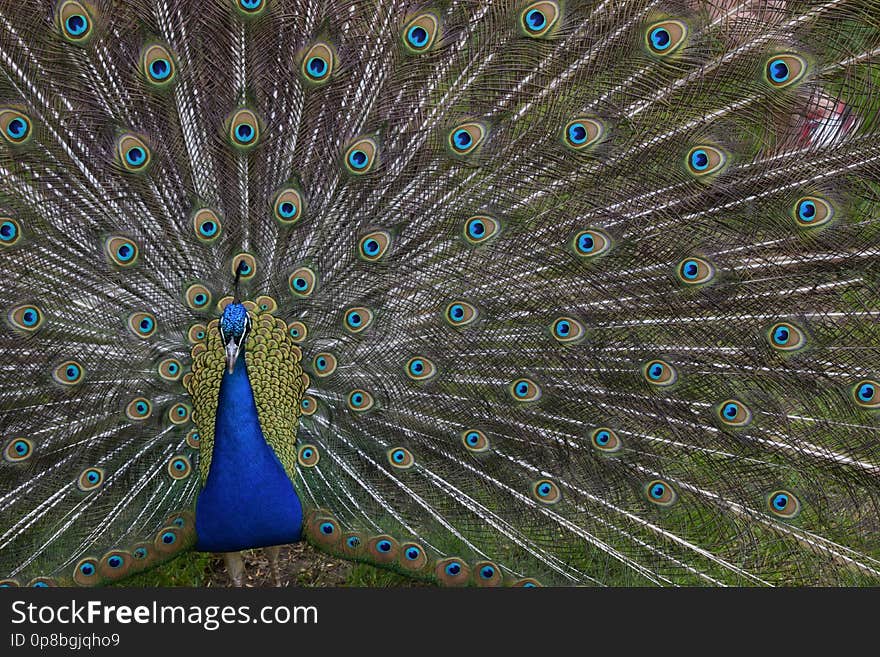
[(248, 501)]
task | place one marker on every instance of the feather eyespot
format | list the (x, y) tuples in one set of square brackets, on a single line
[(465, 138), (460, 313), (475, 441), (10, 231), (142, 324), (525, 390), (734, 413), (452, 572), (179, 413), (297, 331), (308, 456), (244, 265), (784, 504), (786, 337), (158, 65), (867, 394), (179, 467), (193, 439), (75, 21), (374, 245), (170, 369), (695, 271), (480, 229), (785, 70), (660, 492), (287, 207), (567, 330), (487, 573), (266, 304), (360, 400), (197, 296), (413, 556), (15, 126), (26, 318), (324, 364), (581, 133), (308, 405), (85, 573), (666, 37), (133, 153), (546, 491), (357, 319), (703, 161), (196, 333), (420, 368), (400, 458), (207, 225), (90, 479), (421, 33), (590, 243), (659, 373), (605, 440), (360, 157), (250, 7), (244, 129), (318, 63), (69, 373), (121, 251), (539, 18), (18, 450), (138, 409), (812, 212), (527, 583), (383, 548), (302, 282)]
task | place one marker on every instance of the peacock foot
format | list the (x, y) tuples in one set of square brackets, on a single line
[(235, 567)]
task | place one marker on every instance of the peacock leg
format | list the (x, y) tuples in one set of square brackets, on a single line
[(272, 553), (235, 567)]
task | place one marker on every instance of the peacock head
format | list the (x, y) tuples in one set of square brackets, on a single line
[(235, 323)]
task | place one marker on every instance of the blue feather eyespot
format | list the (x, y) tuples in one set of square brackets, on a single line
[(179, 413), (207, 225), (487, 574), (318, 63), (245, 265), (193, 439), (26, 318), (196, 333), (527, 583), (785, 70), (590, 243), (308, 456), (10, 231), (660, 492), (605, 440), (140, 553), (360, 157), (480, 229), (539, 18), (69, 373), (812, 212), (420, 368), (115, 564), (15, 126), (546, 491), (250, 7), (18, 450), (86, 572), (244, 129), (582, 133), (659, 373), (75, 21), (783, 503), (452, 572), (412, 556), (179, 467), (867, 394), (288, 206), (133, 153), (121, 251), (138, 409), (168, 540), (170, 369), (703, 161), (353, 543), (786, 337), (374, 245), (400, 458), (525, 390), (695, 271), (357, 319), (308, 405), (297, 331), (302, 282), (567, 330), (197, 296), (360, 400), (324, 364), (42, 583), (460, 313), (475, 441), (90, 479), (158, 65), (465, 138), (420, 33), (383, 548), (734, 413), (142, 324), (666, 37), (266, 304)]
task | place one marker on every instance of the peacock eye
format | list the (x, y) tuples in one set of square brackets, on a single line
[(244, 128), (785, 70), (605, 440), (400, 458), (10, 231), (786, 337), (75, 21), (660, 492), (302, 282), (133, 153), (18, 450), (480, 229), (357, 319), (659, 373), (324, 364), (465, 138), (90, 479), (525, 390), (475, 441), (420, 368), (15, 126), (179, 467), (361, 156), (695, 271), (546, 491), (460, 313), (580, 133), (783, 503), (567, 330), (421, 33), (69, 373), (250, 6), (590, 243), (158, 65), (812, 212), (308, 456), (538, 18), (866, 395), (374, 245), (142, 324), (666, 37), (26, 318), (360, 400), (318, 63), (734, 413)]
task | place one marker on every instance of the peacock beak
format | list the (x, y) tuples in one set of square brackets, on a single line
[(232, 351)]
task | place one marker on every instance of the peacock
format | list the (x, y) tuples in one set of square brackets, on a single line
[(487, 292)]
